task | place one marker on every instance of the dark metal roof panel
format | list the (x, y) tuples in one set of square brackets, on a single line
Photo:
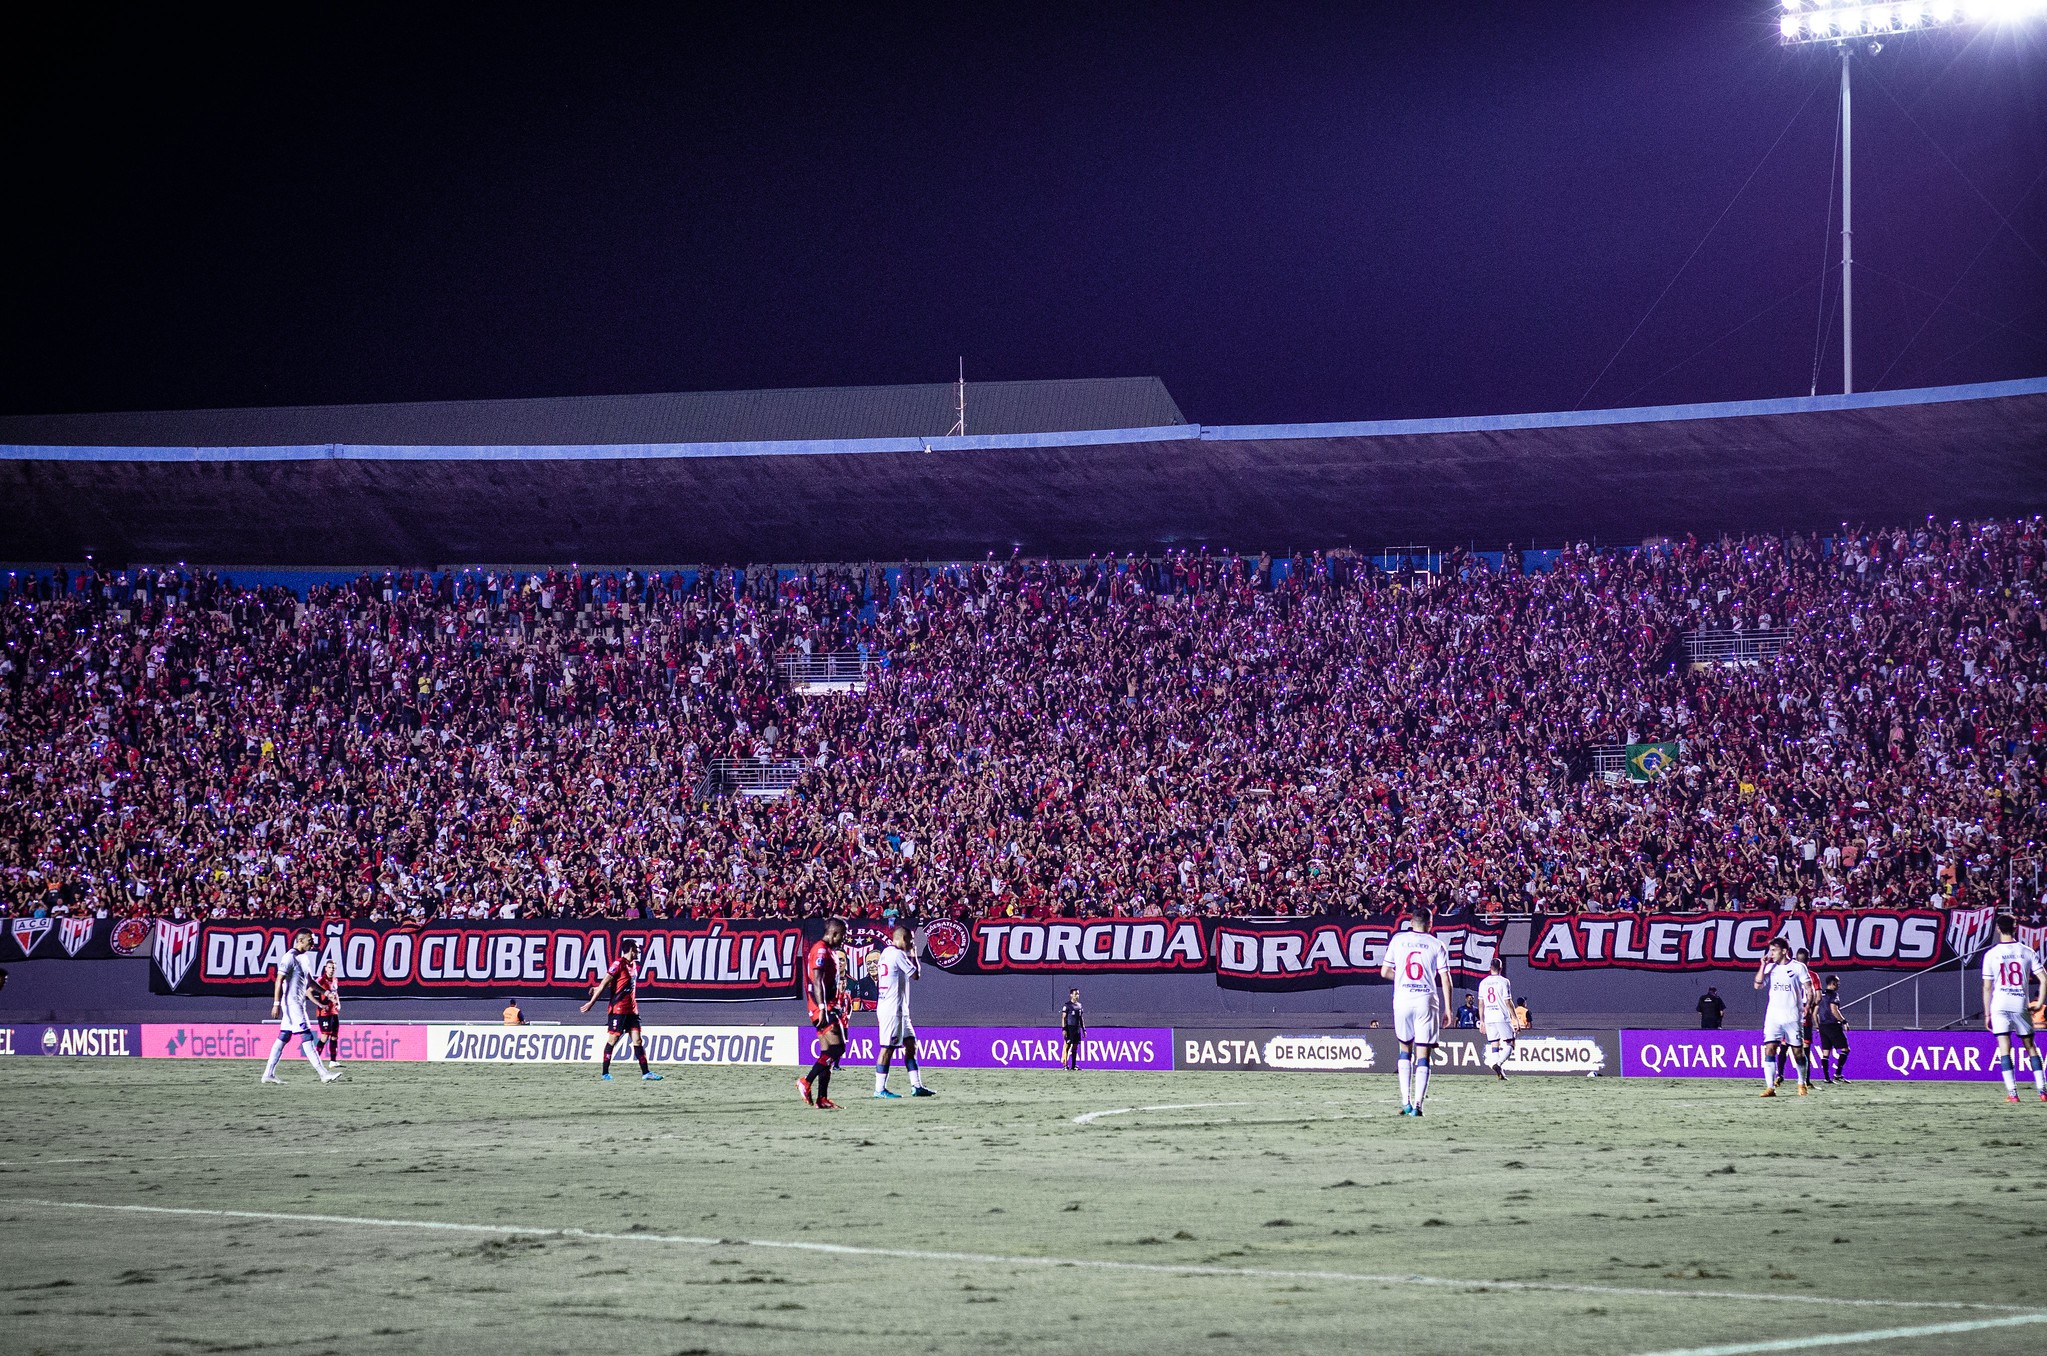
[(813, 414)]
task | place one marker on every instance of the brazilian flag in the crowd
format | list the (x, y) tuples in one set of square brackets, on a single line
[(1647, 762)]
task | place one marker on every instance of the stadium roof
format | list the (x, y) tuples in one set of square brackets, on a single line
[(926, 411), (1612, 475)]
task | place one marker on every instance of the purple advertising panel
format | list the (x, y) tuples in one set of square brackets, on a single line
[(58, 1038), (1019, 1047), (1873, 1055)]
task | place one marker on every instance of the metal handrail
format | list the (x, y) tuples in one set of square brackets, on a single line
[(1705, 647), (755, 775), (842, 666), (1961, 964)]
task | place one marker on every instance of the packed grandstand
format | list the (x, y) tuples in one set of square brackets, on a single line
[(1189, 733)]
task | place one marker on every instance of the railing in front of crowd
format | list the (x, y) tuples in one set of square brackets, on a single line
[(1609, 761), (1734, 647), (765, 778), (1867, 1001), (841, 671)]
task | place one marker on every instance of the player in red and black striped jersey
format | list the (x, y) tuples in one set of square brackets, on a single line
[(824, 992), (623, 1015), (326, 995)]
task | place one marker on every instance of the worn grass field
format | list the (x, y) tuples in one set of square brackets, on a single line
[(481, 1209)]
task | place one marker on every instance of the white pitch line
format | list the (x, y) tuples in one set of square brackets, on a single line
[(1002, 1260), (1089, 1118), (1843, 1339)]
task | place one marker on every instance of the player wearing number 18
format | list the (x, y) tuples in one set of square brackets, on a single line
[(2009, 969), (1419, 966)]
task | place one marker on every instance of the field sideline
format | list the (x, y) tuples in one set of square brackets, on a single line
[(493, 1209)]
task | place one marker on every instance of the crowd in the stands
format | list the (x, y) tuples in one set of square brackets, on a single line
[(1190, 733)]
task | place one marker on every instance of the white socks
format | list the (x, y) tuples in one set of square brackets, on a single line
[(310, 1048), (1406, 1080), (881, 1082), (1421, 1080)]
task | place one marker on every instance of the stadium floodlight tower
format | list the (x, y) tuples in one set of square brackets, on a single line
[(1847, 24)]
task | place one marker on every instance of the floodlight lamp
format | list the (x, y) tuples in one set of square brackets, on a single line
[(1838, 21)]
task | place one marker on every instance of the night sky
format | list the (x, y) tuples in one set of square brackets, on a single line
[(1286, 212)]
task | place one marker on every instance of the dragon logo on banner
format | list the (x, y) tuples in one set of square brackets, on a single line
[(177, 946), (131, 936), (29, 933), (73, 934)]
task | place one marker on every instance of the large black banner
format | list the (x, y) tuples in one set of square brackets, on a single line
[(739, 959), (1839, 939), (1273, 954), (25, 939)]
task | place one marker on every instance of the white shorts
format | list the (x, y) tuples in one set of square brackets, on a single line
[(893, 1027), (1499, 1029), (1783, 1031), (295, 1018), (1416, 1018), (2010, 1021)]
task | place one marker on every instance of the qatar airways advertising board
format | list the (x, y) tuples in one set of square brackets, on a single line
[(1019, 1047), (1874, 1056)]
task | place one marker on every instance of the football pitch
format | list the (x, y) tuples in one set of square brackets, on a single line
[(182, 1207)]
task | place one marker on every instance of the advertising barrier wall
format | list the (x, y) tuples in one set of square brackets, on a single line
[(1375, 1051), (57, 1038), (361, 1042), (480, 1043), (1875, 1056), (1018, 1047)]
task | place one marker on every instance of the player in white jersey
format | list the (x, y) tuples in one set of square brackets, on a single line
[(893, 970), (1419, 966), (1496, 1015), (2009, 969), (291, 1003), (1791, 993)]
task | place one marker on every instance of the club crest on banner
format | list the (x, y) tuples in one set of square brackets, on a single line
[(177, 946), (73, 934), (29, 933), (1968, 930), (946, 942), (131, 936)]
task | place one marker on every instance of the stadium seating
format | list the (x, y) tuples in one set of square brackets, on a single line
[(1199, 732)]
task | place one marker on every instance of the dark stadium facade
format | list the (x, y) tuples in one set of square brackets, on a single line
[(1047, 468)]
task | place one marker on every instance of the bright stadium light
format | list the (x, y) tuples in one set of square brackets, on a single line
[(1846, 23)]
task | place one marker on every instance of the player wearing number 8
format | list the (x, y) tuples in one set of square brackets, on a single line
[(2009, 969), (1419, 966)]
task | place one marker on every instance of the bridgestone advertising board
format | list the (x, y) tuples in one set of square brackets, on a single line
[(482, 1043)]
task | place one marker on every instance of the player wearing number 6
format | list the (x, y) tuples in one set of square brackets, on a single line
[(1419, 966), (2009, 969)]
